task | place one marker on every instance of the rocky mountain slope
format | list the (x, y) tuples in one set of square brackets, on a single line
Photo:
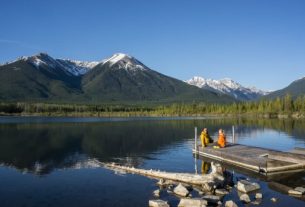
[(227, 86)]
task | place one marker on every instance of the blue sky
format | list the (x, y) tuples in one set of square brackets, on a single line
[(255, 42)]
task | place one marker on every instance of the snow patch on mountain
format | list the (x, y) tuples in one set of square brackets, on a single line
[(71, 67), (77, 68), (124, 61), (229, 87)]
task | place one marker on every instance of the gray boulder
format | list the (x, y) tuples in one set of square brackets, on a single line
[(181, 190), (245, 198), (212, 198), (192, 202), (246, 186), (230, 204), (258, 196), (221, 192), (158, 203), (156, 193)]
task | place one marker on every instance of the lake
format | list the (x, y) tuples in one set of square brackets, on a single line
[(55, 161)]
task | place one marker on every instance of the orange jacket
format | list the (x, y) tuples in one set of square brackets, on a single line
[(222, 140)]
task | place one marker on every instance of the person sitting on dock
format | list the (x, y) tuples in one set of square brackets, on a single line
[(205, 138), (221, 139)]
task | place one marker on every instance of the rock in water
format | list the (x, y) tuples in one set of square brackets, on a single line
[(245, 198), (212, 198), (157, 203), (195, 202), (156, 193), (221, 191), (256, 202), (258, 196), (246, 186), (300, 189), (273, 199), (230, 204), (181, 190)]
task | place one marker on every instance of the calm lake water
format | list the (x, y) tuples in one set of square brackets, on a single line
[(55, 161)]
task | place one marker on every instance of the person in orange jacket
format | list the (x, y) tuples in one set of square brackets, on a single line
[(221, 139)]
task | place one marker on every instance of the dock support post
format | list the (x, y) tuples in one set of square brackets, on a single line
[(233, 134), (195, 140), (195, 147)]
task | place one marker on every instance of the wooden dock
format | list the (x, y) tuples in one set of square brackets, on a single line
[(256, 159)]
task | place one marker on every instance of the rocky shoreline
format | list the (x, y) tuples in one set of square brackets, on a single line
[(195, 190)]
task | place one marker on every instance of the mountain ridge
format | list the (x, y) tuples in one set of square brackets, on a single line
[(227, 86), (120, 78), (295, 89)]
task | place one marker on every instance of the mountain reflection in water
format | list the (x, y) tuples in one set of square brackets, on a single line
[(42, 147)]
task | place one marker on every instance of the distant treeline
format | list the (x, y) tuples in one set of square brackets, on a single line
[(280, 106)]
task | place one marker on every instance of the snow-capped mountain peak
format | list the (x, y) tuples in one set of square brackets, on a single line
[(124, 61), (230, 83), (117, 57), (71, 67), (77, 68), (227, 86)]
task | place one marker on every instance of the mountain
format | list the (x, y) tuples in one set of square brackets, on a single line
[(120, 78), (38, 77), (295, 89), (227, 86)]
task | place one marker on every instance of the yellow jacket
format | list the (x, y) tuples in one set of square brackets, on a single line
[(205, 139)]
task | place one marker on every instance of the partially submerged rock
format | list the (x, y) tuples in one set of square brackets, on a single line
[(258, 196), (221, 192), (273, 199), (256, 202), (230, 204), (212, 198), (246, 186), (245, 198), (156, 193), (157, 203), (192, 202), (181, 190)]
